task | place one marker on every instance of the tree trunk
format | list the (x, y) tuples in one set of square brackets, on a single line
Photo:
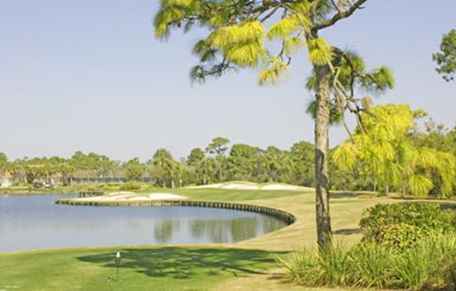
[(323, 220)]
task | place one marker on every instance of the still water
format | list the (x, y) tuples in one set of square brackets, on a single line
[(35, 222)]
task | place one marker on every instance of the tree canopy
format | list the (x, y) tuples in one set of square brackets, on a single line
[(134, 169), (386, 151), (446, 57)]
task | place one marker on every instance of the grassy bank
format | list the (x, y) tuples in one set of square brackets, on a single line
[(205, 267)]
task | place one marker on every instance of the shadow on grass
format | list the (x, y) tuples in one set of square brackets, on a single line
[(183, 263), (348, 231), (348, 194)]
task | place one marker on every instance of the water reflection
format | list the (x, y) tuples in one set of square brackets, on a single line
[(165, 229), (36, 222)]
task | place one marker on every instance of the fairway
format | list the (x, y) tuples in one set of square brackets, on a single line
[(177, 268)]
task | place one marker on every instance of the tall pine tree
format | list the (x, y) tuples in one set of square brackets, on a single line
[(237, 35)]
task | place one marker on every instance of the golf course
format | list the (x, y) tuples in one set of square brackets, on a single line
[(238, 266), (227, 145)]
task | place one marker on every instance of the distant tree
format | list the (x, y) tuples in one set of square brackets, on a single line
[(446, 57), (243, 162), (15, 169), (36, 169), (433, 135), (3, 163), (104, 166), (82, 164), (3, 159), (165, 169), (194, 162), (195, 157), (218, 148), (276, 165), (206, 171), (303, 158), (93, 165), (134, 170), (66, 170)]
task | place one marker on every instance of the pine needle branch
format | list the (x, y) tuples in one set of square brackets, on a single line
[(340, 15)]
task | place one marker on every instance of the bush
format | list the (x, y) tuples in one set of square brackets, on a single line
[(402, 225), (110, 186), (428, 265), (131, 186), (400, 236), (91, 188)]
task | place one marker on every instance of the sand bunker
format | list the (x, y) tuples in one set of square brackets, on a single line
[(129, 196)]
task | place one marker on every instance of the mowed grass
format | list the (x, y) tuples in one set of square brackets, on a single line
[(165, 268), (234, 195), (195, 194), (204, 267)]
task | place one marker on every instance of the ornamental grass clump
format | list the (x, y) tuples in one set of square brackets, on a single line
[(312, 268), (410, 245), (430, 264)]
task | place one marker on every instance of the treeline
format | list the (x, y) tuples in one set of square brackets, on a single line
[(218, 162), (393, 149)]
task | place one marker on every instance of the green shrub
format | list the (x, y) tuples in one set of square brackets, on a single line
[(92, 188), (111, 186), (131, 186), (402, 225), (400, 236)]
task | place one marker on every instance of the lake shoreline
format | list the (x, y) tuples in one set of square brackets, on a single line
[(61, 225), (280, 214)]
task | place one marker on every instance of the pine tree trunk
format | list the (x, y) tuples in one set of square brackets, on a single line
[(323, 220)]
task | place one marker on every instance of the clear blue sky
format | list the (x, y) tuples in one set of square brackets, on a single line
[(88, 75)]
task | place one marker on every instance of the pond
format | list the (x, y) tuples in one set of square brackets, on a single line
[(35, 222)]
